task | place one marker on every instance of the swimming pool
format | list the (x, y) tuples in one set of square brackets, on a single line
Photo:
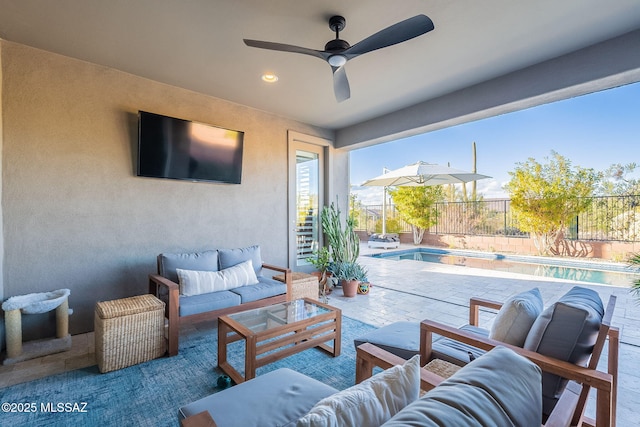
[(559, 268)]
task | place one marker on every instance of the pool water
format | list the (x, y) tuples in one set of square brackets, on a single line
[(602, 273)]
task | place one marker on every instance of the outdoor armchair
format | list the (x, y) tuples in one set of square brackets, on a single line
[(369, 356), (581, 378)]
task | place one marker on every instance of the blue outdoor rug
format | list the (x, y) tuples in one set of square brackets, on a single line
[(149, 394)]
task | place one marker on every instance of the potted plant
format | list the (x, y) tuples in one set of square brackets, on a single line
[(343, 246), (350, 275), (322, 261), (346, 272)]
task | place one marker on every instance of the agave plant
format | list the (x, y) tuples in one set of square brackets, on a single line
[(635, 285)]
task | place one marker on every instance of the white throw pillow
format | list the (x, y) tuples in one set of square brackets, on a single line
[(370, 403), (194, 282), (514, 320)]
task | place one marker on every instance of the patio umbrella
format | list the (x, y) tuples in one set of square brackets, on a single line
[(420, 173)]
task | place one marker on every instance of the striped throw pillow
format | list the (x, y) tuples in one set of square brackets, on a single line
[(194, 282)]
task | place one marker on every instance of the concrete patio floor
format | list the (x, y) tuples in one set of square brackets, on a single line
[(415, 290)]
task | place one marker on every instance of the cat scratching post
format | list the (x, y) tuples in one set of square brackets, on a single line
[(14, 307)]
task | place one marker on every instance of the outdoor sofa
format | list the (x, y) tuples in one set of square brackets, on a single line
[(199, 286), (478, 394)]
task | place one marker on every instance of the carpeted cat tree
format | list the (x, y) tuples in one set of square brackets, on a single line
[(37, 303)]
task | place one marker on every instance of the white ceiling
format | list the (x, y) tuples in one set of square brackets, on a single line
[(197, 45)]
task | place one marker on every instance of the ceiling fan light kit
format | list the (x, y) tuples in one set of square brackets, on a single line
[(337, 60), (337, 51)]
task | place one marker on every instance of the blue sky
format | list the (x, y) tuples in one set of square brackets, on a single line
[(593, 131)]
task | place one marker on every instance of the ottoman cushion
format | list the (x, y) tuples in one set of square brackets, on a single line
[(399, 338), (277, 398)]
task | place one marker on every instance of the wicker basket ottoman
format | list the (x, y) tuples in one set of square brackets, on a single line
[(303, 285), (128, 331)]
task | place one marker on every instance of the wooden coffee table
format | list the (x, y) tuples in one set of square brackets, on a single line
[(278, 331)]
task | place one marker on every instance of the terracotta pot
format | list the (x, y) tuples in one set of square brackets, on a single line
[(350, 288)]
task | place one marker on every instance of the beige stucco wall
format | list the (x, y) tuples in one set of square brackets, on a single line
[(74, 213), (1, 221)]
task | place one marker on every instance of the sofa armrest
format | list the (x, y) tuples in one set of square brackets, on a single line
[(169, 292), (474, 308), (202, 419), (287, 276), (601, 381), (369, 356)]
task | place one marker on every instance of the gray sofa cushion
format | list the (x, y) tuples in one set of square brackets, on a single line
[(230, 257), (200, 261), (514, 320), (265, 288), (399, 338), (276, 398), (479, 395), (566, 330), (454, 351), (207, 302)]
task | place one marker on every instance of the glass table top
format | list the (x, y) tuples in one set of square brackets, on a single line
[(262, 319)]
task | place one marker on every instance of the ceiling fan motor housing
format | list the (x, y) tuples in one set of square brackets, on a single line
[(337, 23), (336, 45)]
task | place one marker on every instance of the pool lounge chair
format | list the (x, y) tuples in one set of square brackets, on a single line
[(384, 241)]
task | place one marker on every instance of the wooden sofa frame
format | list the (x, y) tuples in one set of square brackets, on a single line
[(169, 292)]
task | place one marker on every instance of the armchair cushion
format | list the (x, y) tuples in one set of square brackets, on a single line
[(457, 352), (501, 388), (231, 257), (371, 402), (202, 261), (513, 321), (566, 330), (193, 282)]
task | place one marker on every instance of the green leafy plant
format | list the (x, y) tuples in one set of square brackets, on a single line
[(351, 271), (416, 207), (393, 225), (320, 260), (343, 242), (635, 285)]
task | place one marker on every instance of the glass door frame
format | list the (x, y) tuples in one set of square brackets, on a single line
[(312, 144)]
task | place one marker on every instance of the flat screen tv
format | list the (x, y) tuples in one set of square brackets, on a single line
[(181, 149)]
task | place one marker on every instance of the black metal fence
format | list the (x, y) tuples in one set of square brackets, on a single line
[(609, 218)]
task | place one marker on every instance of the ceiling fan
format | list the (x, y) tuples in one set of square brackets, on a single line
[(337, 52)]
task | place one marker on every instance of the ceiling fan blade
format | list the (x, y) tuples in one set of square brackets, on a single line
[(286, 48), (341, 84), (397, 33)]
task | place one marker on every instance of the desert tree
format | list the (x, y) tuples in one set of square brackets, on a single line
[(547, 197), (416, 206)]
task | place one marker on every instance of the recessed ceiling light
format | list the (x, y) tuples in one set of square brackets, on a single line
[(269, 78)]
